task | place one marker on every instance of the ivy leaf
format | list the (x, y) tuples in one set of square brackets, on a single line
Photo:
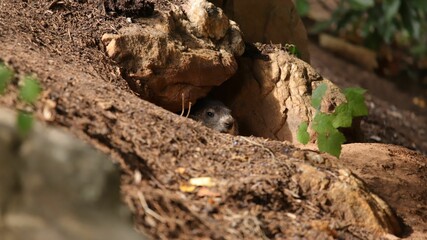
[(409, 21), (322, 123), (329, 138), (420, 4), (302, 134), (343, 116), (30, 90), (331, 142), (5, 76), (418, 50), (302, 7), (391, 8), (24, 123), (318, 93), (361, 4), (293, 50), (387, 31), (356, 101)]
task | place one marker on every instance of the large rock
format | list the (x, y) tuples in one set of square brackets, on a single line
[(176, 54), (396, 174), (270, 98), (274, 21), (350, 197), (53, 186)]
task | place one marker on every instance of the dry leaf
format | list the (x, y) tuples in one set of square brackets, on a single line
[(202, 181), (206, 192), (180, 170), (187, 188), (420, 102)]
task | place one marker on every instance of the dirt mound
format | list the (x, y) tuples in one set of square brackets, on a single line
[(398, 175)]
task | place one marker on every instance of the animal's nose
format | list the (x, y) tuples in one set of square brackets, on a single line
[(229, 123)]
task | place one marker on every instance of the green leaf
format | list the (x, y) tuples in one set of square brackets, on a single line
[(30, 90), (302, 7), (420, 4), (391, 8), (408, 18), (343, 116), (293, 50), (418, 50), (302, 134), (24, 123), (361, 4), (331, 142), (317, 95), (387, 31), (5, 76), (322, 123), (356, 101), (416, 28)]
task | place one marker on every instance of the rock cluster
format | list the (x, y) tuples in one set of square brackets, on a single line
[(177, 56)]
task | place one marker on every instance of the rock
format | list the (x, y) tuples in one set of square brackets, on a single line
[(271, 98), (53, 186), (207, 20), (351, 198), (396, 174), (176, 54), (268, 22)]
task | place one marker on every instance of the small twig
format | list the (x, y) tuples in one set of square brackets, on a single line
[(262, 146), (312, 207), (147, 209), (114, 29), (293, 194), (69, 35), (332, 173)]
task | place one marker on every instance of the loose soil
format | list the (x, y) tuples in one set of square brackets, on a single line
[(59, 41), (401, 183)]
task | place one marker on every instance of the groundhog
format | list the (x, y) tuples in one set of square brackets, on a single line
[(214, 114)]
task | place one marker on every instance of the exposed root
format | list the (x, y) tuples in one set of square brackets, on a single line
[(189, 109), (183, 106), (147, 209)]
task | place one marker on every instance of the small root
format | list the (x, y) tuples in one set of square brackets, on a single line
[(147, 209), (189, 109)]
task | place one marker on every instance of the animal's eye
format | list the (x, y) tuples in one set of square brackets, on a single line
[(210, 114)]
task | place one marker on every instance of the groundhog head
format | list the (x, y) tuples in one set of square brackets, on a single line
[(214, 114)]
